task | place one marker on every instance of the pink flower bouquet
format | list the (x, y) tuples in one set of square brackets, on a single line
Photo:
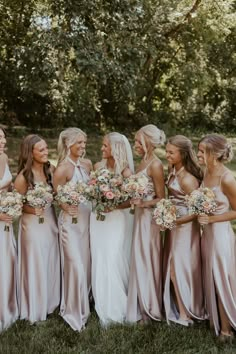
[(201, 201), (104, 190)]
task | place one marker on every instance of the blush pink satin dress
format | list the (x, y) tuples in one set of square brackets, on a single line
[(8, 268), (219, 264), (75, 261), (38, 266), (145, 283), (182, 248)]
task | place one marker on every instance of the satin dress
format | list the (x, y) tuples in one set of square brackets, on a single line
[(145, 283), (38, 266), (75, 261), (8, 267), (219, 264), (182, 247), (110, 252)]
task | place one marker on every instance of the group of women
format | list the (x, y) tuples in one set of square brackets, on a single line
[(133, 272)]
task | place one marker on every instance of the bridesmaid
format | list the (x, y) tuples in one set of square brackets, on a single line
[(8, 262), (183, 293), (38, 247), (218, 241), (145, 285), (74, 238)]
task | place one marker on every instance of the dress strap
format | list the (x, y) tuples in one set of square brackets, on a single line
[(79, 168), (154, 158), (222, 177)]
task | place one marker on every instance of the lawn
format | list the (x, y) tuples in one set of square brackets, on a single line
[(55, 336)]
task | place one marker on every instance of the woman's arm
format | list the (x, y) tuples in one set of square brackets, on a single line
[(188, 184), (156, 172), (21, 186), (228, 185)]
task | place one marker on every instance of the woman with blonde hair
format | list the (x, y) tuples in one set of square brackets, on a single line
[(8, 260), (145, 284), (111, 239), (218, 240), (183, 290), (38, 247), (74, 238)]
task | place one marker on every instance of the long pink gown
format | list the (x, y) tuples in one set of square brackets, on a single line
[(219, 264), (145, 283), (8, 268), (182, 248), (39, 266), (75, 261)]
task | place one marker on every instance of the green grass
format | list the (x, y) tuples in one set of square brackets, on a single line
[(55, 336)]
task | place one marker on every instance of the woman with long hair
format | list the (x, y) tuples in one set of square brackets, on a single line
[(38, 246), (218, 240), (145, 284), (111, 239), (183, 291), (8, 261), (74, 238)]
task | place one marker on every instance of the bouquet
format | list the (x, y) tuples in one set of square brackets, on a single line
[(72, 194), (40, 196), (136, 187), (11, 203), (201, 201), (164, 214), (104, 189)]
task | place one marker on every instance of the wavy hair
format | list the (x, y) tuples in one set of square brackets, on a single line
[(188, 155), (67, 138), (26, 160)]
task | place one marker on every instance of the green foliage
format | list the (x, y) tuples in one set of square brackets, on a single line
[(119, 64)]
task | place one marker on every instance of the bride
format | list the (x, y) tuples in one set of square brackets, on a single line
[(111, 239)]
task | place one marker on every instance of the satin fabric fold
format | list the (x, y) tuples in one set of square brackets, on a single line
[(182, 249), (219, 265), (75, 263), (145, 284), (39, 266), (8, 277)]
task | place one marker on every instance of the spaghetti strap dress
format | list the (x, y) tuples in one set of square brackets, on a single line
[(182, 248), (75, 260), (38, 266), (8, 267), (145, 283), (219, 264)]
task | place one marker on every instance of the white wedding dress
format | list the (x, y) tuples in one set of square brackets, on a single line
[(110, 242)]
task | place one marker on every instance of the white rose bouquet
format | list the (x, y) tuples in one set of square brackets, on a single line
[(136, 187), (39, 197), (164, 214), (11, 203), (72, 194)]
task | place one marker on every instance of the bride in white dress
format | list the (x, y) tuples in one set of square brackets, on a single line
[(110, 240)]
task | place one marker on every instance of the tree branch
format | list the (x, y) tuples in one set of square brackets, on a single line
[(187, 18)]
